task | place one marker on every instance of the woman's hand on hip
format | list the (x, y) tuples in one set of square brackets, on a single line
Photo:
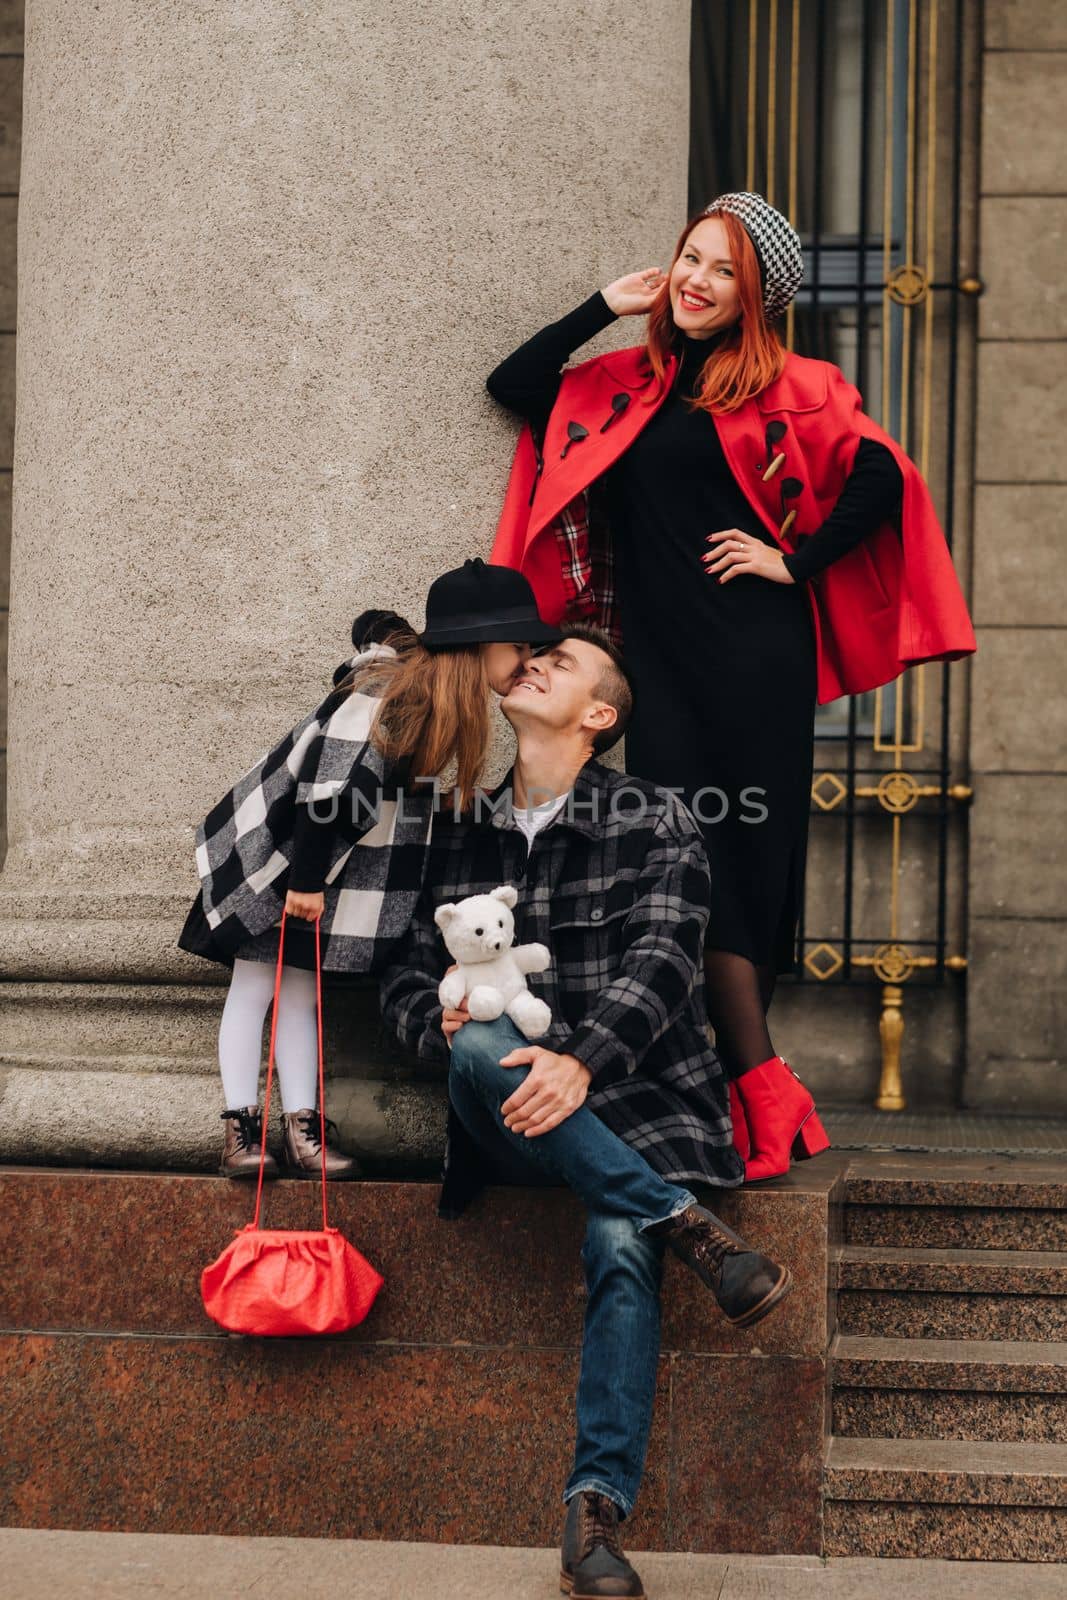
[(734, 554), (308, 907), (634, 295)]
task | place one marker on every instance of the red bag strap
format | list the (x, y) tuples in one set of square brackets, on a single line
[(270, 1068)]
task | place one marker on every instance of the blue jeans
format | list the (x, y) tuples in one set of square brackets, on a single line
[(623, 1268)]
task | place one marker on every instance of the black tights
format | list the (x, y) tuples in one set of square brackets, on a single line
[(739, 995)]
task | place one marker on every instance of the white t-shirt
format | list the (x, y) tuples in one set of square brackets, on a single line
[(531, 820)]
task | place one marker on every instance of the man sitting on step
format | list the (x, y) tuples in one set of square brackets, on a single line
[(624, 1098)]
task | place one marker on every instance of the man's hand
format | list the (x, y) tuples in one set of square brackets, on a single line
[(553, 1088), (308, 907), (451, 1021)]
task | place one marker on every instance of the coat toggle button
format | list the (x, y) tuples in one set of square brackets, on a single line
[(575, 433)]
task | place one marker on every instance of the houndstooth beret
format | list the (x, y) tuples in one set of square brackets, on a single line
[(777, 247)]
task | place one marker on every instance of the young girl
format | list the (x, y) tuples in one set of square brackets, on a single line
[(332, 826)]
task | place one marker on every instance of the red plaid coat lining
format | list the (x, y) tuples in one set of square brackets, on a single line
[(587, 564)]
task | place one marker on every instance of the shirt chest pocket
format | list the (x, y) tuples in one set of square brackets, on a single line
[(587, 936)]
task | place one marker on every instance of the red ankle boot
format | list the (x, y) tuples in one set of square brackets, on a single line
[(742, 1142), (781, 1118)]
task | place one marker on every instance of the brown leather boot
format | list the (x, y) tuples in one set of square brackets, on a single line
[(746, 1285), (592, 1563), (301, 1151), (244, 1141)]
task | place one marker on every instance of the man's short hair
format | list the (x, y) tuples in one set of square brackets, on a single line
[(614, 684)]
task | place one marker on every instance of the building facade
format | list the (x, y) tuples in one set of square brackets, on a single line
[(266, 256)]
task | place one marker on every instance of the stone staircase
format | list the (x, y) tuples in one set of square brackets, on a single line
[(948, 1370)]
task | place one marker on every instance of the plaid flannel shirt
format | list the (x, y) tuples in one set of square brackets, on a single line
[(618, 888)]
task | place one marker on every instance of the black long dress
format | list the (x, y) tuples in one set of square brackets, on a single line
[(724, 673)]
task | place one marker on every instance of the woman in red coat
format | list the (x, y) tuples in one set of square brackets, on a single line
[(757, 544)]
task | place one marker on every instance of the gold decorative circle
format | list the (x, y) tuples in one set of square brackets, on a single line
[(897, 792), (908, 285), (892, 963)]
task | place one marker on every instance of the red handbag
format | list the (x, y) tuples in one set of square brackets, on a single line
[(284, 1281)]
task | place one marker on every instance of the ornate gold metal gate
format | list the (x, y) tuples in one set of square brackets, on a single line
[(847, 115)]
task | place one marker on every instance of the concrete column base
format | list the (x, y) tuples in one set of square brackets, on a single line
[(126, 1075)]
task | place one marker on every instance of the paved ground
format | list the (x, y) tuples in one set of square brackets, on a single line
[(130, 1566)]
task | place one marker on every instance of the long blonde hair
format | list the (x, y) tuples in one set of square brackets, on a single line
[(434, 709)]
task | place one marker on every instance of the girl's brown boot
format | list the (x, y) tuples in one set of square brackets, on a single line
[(244, 1142)]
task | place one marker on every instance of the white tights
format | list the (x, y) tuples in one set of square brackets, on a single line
[(241, 1035)]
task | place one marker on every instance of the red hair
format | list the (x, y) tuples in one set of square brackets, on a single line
[(750, 356)]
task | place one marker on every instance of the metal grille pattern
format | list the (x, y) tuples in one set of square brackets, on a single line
[(847, 116)]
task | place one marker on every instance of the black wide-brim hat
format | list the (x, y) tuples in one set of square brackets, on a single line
[(480, 604)]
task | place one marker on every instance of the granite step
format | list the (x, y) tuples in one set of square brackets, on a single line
[(987, 1390), (975, 1203), (450, 1408), (893, 1292), (957, 1227), (954, 1499)]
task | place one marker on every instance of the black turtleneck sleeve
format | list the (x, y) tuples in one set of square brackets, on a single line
[(871, 495), (312, 844), (528, 380)]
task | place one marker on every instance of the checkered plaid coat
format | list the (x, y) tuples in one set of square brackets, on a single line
[(244, 847), (618, 888)]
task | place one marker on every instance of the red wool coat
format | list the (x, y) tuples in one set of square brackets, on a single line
[(891, 602)]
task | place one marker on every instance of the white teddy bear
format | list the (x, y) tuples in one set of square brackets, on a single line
[(491, 975)]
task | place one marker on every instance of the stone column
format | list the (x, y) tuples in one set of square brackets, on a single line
[(267, 255), (1017, 1011), (10, 128)]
